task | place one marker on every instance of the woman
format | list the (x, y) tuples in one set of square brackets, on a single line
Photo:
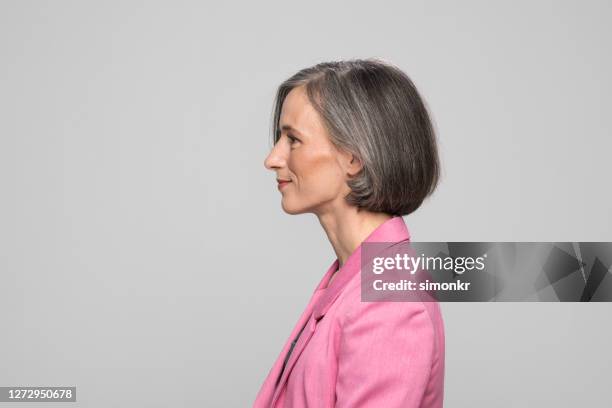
[(354, 145)]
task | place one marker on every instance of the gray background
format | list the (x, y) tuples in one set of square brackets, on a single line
[(144, 255)]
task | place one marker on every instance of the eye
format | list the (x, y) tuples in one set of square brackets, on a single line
[(292, 139)]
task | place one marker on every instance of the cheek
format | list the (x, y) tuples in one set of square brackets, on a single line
[(316, 170)]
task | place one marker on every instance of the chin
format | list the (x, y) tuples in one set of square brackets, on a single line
[(293, 209)]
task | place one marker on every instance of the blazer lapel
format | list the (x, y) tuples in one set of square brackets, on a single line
[(268, 388), (299, 347)]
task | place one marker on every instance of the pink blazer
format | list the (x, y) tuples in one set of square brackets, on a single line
[(360, 354)]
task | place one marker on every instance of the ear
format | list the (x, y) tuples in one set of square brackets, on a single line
[(352, 164)]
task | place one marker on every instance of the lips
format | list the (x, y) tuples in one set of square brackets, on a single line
[(282, 182)]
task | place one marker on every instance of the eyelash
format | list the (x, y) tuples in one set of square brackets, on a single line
[(292, 139)]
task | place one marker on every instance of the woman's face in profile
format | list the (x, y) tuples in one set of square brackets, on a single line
[(304, 156)]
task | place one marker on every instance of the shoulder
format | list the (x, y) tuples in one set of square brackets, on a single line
[(417, 315)]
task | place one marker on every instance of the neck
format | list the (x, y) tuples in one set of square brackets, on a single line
[(348, 227)]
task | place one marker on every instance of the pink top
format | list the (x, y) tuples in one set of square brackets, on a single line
[(360, 354)]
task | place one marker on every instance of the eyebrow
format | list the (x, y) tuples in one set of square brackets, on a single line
[(289, 127)]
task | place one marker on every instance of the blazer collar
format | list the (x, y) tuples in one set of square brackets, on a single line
[(393, 230)]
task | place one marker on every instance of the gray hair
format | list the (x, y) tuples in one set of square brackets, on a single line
[(372, 109)]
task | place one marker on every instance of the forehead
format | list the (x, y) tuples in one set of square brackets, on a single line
[(297, 112)]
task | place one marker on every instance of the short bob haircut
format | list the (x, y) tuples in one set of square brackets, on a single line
[(371, 109)]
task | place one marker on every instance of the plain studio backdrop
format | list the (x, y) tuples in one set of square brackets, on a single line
[(144, 254)]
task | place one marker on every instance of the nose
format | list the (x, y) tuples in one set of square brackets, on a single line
[(276, 159)]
